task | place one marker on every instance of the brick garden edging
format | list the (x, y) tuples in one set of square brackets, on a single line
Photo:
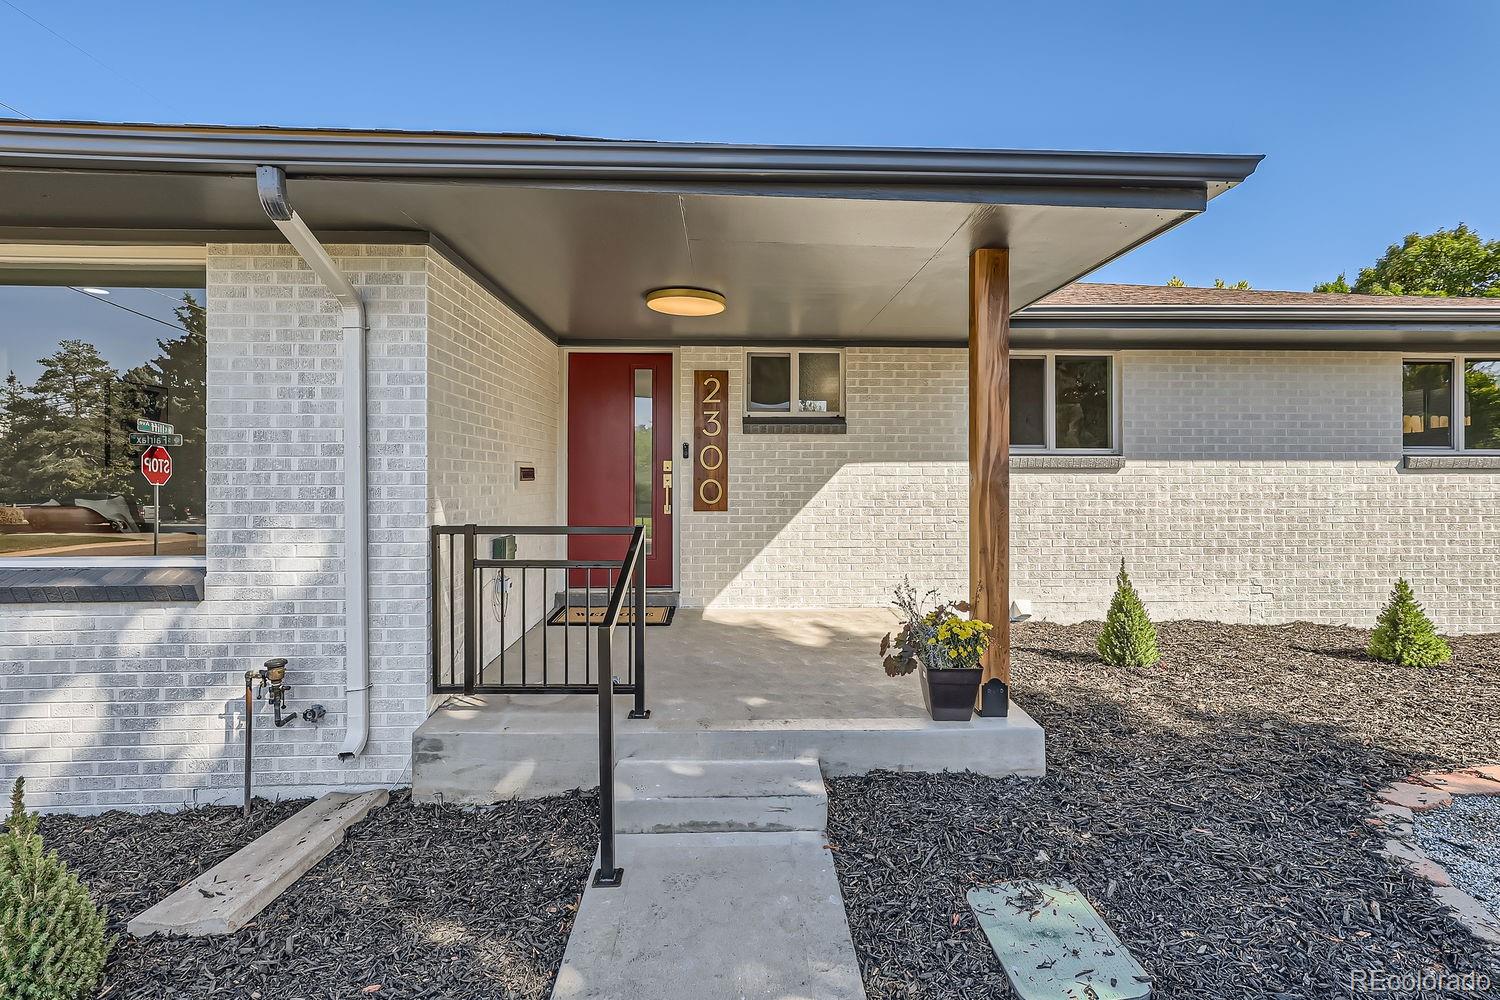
[(1429, 790)]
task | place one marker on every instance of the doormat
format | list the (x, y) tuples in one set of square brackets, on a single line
[(579, 615), (1053, 943)]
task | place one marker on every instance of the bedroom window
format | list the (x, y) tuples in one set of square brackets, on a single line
[(1451, 404), (798, 384), (1063, 401)]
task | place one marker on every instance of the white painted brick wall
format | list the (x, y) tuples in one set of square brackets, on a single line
[(832, 520), (1259, 486), (123, 705), (495, 400)]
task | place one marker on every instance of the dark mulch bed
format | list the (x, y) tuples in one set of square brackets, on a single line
[(1212, 808), (420, 901), (131, 862)]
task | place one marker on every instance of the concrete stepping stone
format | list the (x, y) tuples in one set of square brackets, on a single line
[(1054, 945), (727, 916), (231, 893), (719, 796)]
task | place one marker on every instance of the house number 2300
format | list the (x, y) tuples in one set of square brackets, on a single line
[(710, 444)]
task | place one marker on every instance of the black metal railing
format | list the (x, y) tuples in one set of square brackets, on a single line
[(509, 649), (609, 873)]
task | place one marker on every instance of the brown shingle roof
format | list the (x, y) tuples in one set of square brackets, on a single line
[(1103, 294)]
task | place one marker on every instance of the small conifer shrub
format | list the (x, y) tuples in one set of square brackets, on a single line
[(1129, 638), (52, 936), (1404, 634)]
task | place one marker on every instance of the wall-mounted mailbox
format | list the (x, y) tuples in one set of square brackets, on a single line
[(525, 472)]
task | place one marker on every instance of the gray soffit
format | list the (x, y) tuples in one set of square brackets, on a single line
[(808, 244)]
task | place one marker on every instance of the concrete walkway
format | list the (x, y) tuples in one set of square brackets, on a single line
[(714, 916), (733, 895)]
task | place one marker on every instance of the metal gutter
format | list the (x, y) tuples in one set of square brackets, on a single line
[(270, 184), (1270, 315), (304, 152)]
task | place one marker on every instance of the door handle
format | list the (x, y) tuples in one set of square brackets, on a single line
[(666, 485)]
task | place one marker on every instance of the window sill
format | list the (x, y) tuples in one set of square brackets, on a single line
[(1452, 460), (794, 425), (83, 584), (1091, 462)]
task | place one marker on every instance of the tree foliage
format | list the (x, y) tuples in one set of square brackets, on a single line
[(68, 433), (1128, 638), (1405, 635), (52, 936), (1241, 286), (1447, 262)]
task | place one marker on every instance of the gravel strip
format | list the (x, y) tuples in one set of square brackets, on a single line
[(419, 902), (1464, 838), (1213, 808)]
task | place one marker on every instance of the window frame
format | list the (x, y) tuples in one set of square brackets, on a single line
[(1458, 396), (1049, 403), (792, 386)]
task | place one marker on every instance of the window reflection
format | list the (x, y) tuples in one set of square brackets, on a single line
[(1426, 404), (1482, 404), (82, 369), (1084, 403)]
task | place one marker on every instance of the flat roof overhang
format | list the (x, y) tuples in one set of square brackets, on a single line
[(809, 245)]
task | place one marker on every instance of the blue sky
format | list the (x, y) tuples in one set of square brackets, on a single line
[(1377, 118)]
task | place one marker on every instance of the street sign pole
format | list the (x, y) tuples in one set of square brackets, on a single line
[(156, 466)]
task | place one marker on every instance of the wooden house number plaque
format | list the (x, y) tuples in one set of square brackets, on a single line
[(710, 440)]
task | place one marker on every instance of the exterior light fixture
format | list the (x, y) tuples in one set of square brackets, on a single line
[(95, 291), (685, 301)]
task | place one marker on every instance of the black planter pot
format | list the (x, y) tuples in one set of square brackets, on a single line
[(950, 694)]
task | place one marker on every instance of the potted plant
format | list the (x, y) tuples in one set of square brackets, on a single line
[(945, 647)]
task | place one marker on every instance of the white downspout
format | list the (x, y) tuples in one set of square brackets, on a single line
[(271, 185)]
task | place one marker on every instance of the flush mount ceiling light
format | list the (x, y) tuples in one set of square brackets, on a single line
[(95, 291), (685, 301)]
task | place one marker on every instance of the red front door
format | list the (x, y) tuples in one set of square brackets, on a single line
[(620, 457)]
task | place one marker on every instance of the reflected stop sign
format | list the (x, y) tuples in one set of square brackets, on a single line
[(156, 465)]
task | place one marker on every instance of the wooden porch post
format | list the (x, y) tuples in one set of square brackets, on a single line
[(989, 451)]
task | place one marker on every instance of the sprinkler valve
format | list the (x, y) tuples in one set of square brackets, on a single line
[(273, 688)]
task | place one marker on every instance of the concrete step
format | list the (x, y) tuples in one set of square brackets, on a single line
[(714, 916), (489, 748), (719, 796), (230, 894)]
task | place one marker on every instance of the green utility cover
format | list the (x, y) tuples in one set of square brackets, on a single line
[(1054, 945), (503, 547)]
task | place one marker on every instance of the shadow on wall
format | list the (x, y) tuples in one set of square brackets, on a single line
[(842, 537), (153, 706)]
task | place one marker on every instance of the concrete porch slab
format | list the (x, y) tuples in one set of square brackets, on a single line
[(481, 753), (750, 916), (721, 685)]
